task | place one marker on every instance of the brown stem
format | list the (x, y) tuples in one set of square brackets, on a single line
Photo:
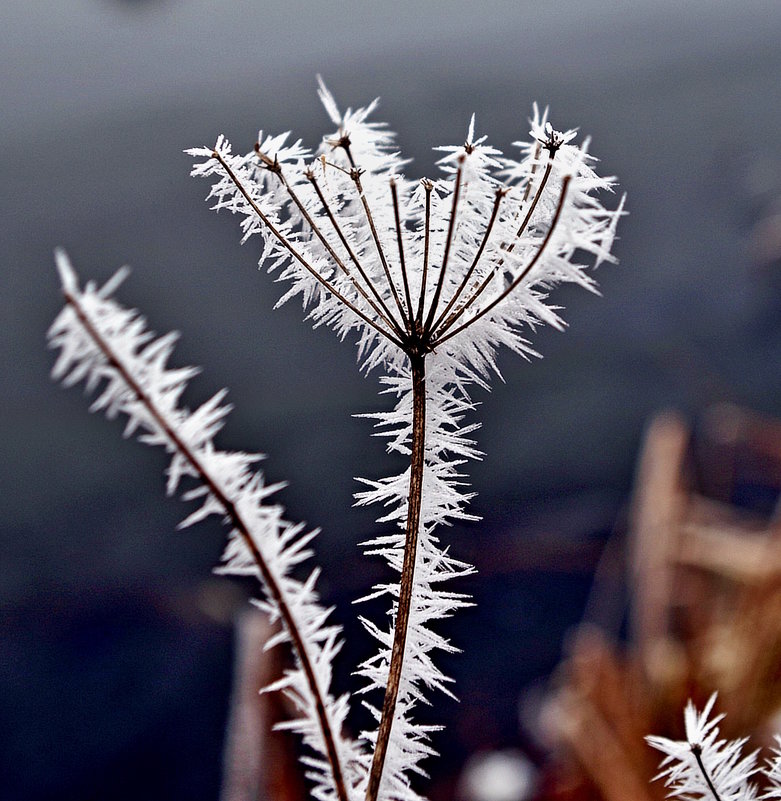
[(351, 253), (509, 249), (533, 206), (696, 749), (517, 280), (239, 524), (418, 367), (427, 186), (397, 220), (356, 176), (450, 230), (528, 189), (500, 193), (296, 255), (315, 228)]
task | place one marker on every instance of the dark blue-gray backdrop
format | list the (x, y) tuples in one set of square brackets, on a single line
[(116, 642)]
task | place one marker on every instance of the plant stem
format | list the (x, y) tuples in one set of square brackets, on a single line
[(240, 525), (696, 749), (285, 242), (443, 337), (418, 368)]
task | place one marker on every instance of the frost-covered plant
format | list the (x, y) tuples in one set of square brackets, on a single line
[(430, 277), (705, 768)]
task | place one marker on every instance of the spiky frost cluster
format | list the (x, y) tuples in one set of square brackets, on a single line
[(704, 767), (430, 277)]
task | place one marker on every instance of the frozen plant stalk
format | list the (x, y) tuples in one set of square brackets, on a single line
[(705, 768), (431, 277)]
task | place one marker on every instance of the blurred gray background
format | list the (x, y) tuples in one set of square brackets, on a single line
[(115, 640)]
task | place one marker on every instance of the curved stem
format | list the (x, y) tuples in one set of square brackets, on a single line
[(242, 527), (418, 367)]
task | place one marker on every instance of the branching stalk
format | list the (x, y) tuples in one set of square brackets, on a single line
[(443, 337), (243, 529), (418, 368), (296, 255), (355, 174), (351, 253)]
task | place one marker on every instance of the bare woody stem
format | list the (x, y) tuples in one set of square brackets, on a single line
[(418, 368), (295, 254), (243, 529)]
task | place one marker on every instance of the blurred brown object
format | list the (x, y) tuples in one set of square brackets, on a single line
[(259, 764), (704, 567)]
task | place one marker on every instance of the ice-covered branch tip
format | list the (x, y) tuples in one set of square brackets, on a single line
[(110, 349), (703, 766)]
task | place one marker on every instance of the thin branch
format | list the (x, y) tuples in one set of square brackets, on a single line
[(240, 525), (395, 195), (696, 749), (355, 174), (334, 221), (427, 186), (529, 267), (406, 585), (526, 191), (350, 252), (508, 248), (297, 256), (275, 167), (537, 196), (451, 228), (500, 193)]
